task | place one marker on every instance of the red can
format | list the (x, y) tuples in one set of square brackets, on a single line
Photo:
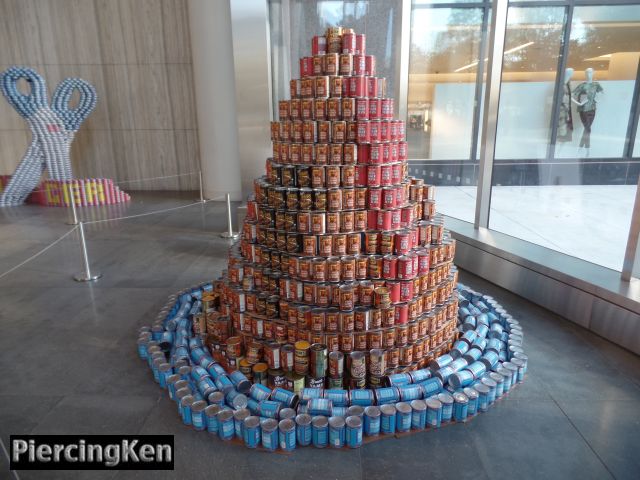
[(375, 153), (405, 267), (349, 43), (319, 45), (362, 109), (361, 175), (361, 42), (401, 130), (406, 291), (357, 86), (372, 87), (394, 291), (370, 65), (346, 64), (363, 132), (402, 151), (348, 108), (397, 172), (384, 220), (402, 314), (393, 130), (407, 216), (359, 65), (374, 199), (385, 175), (372, 219), (388, 197), (350, 156), (374, 131), (402, 241), (385, 134), (396, 222), (386, 153), (374, 175), (393, 151), (306, 66), (363, 153), (389, 267), (386, 108), (374, 108)]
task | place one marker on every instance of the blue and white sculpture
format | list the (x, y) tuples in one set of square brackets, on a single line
[(53, 127)]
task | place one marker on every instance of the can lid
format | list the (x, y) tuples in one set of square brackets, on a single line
[(174, 378), (212, 410), (388, 409), (215, 397), (287, 413), (481, 388), (287, 425), (241, 414), (320, 421), (187, 400), (225, 415), (445, 398), (489, 382), (460, 397), (471, 393), (269, 425), (252, 422), (336, 422), (372, 411), (403, 407), (418, 405), (198, 406), (356, 410), (496, 377), (433, 403), (353, 421), (303, 419)]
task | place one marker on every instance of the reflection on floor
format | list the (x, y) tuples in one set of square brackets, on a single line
[(590, 222), (70, 366)]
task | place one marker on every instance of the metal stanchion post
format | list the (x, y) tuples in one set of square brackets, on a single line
[(200, 180), (85, 276), (73, 205), (229, 233)]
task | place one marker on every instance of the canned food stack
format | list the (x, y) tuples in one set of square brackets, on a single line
[(486, 363), (344, 273)]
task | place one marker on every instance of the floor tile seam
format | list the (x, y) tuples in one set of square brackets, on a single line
[(575, 427)]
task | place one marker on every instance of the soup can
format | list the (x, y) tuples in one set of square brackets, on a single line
[(320, 406), (251, 432), (226, 428), (388, 419), (372, 421), (287, 435), (418, 414), (303, 429), (460, 407), (403, 417), (336, 432), (472, 397), (434, 412), (447, 406), (269, 434), (353, 432), (211, 418), (320, 431)]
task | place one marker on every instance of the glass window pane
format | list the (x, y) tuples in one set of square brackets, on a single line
[(531, 51), (579, 203), (603, 60), (443, 66)]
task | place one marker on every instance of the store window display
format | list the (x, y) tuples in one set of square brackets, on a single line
[(585, 93)]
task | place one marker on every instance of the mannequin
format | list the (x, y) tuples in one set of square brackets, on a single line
[(585, 94), (565, 117)]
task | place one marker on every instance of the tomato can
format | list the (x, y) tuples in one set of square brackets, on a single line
[(332, 222), (331, 64), (389, 267), (375, 108), (374, 175), (333, 111), (386, 108), (362, 108), (359, 65), (335, 87), (335, 153), (350, 157), (319, 45), (364, 134), (325, 245), (348, 108), (346, 63), (407, 290), (358, 86), (364, 153), (370, 65), (384, 219)]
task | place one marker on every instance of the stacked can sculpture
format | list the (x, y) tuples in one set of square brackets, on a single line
[(53, 127), (339, 316)]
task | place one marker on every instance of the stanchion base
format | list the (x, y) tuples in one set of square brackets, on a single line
[(82, 277), (232, 236)]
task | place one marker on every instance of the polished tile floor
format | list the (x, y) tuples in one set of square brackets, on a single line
[(69, 366)]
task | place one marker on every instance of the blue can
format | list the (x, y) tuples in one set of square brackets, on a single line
[(235, 399), (458, 364), (269, 408), (492, 388), (447, 406), (206, 386), (211, 417), (440, 362), (336, 432), (320, 406), (259, 392), (372, 421), (142, 347), (198, 418), (499, 379), (303, 429), (164, 372), (198, 373), (286, 413), (339, 398), (171, 385), (482, 330), (506, 374), (226, 428), (418, 414), (363, 397), (434, 412), (253, 407), (302, 408), (460, 407), (287, 435), (320, 431), (240, 381), (269, 434), (215, 370), (239, 416), (285, 397), (494, 345), (224, 384), (420, 375), (469, 336), (483, 396), (339, 411), (461, 379), (185, 409), (490, 359), (251, 432), (519, 363), (444, 373), (387, 395), (355, 411), (403, 417), (431, 387), (353, 432), (398, 379), (216, 398), (410, 392), (185, 372), (308, 393), (525, 362), (459, 349), (477, 368), (472, 396), (472, 355)]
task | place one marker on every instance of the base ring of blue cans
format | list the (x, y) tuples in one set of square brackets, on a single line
[(485, 364)]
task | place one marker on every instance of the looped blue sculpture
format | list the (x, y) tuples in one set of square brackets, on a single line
[(53, 128)]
